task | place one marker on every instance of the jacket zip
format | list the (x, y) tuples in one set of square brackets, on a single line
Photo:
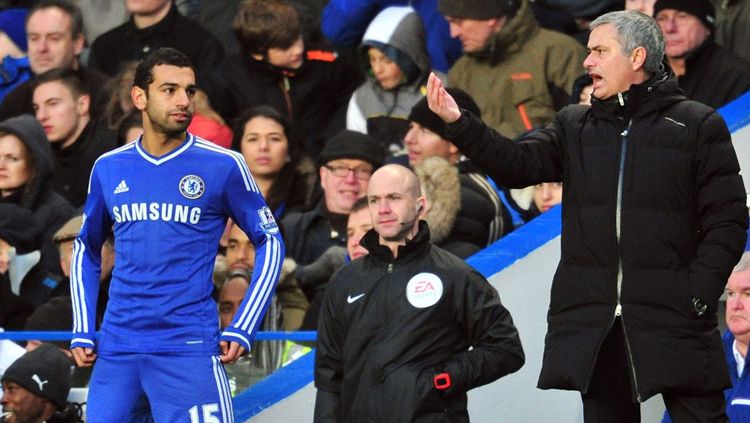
[(618, 229)]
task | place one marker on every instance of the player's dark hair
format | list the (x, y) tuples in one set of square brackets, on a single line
[(68, 77), (144, 74), (70, 9)]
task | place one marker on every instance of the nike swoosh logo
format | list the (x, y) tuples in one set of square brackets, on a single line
[(351, 299)]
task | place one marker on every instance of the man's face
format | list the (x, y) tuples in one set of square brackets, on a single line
[(240, 251), (230, 298), (170, 100), (683, 32), (356, 227), (422, 143), (738, 305), (15, 168), (51, 42), (61, 113), (609, 68), (25, 406), (385, 70), (393, 207), (145, 7), (66, 253), (474, 34), (342, 191), (288, 58)]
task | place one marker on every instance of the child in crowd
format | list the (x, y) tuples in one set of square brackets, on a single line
[(398, 66)]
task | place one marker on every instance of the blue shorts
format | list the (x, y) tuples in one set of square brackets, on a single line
[(159, 387)]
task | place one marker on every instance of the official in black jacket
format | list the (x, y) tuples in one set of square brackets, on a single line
[(396, 325), (654, 219)]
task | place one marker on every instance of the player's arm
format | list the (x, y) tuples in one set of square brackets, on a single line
[(248, 209), (85, 270)]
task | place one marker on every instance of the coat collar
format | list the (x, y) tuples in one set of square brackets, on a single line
[(414, 247)]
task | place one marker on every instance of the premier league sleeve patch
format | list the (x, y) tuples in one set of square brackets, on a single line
[(192, 187), (424, 290), (267, 222)]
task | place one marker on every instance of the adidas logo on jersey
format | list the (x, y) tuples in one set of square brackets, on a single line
[(122, 187)]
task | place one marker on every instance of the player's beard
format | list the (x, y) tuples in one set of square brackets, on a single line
[(165, 125)]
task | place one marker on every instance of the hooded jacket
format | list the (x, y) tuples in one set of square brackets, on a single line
[(398, 33), (50, 209), (523, 76), (388, 325), (654, 220)]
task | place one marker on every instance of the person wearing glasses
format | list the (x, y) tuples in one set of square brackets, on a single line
[(345, 166)]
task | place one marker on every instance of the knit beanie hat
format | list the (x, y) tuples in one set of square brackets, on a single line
[(19, 228), (478, 9), (422, 114), (56, 314), (348, 144), (44, 372), (12, 22), (701, 9)]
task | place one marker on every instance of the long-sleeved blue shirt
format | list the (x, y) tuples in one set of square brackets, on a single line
[(167, 214)]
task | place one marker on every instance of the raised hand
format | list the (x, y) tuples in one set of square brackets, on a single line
[(440, 102)]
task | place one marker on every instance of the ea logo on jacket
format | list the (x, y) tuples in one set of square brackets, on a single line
[(424, 290)]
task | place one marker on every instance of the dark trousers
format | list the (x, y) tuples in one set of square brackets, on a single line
[(611, 399)]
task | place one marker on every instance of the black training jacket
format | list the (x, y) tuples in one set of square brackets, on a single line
[(387, 326)]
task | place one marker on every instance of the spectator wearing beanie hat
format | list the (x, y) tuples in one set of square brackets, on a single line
[(24, 283), (345, 165), (518, 73), (706, 72), (15, 67), (480, 217), (36, 386)]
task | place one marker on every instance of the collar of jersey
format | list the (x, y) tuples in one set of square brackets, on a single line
[(189, 140)]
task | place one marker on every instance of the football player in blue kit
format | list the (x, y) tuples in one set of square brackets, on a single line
[(166, 197)]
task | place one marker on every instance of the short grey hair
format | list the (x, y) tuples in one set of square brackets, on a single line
[(635, 29), (743, 264)]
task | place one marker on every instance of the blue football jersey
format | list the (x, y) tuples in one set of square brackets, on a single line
[(167, 214)]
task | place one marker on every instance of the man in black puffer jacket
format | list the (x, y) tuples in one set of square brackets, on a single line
[(654, 220)]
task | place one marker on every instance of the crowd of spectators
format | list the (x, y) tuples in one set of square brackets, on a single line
[(316, 96)]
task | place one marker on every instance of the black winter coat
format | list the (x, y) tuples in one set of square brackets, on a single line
[(387, 326), (654, 216)]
